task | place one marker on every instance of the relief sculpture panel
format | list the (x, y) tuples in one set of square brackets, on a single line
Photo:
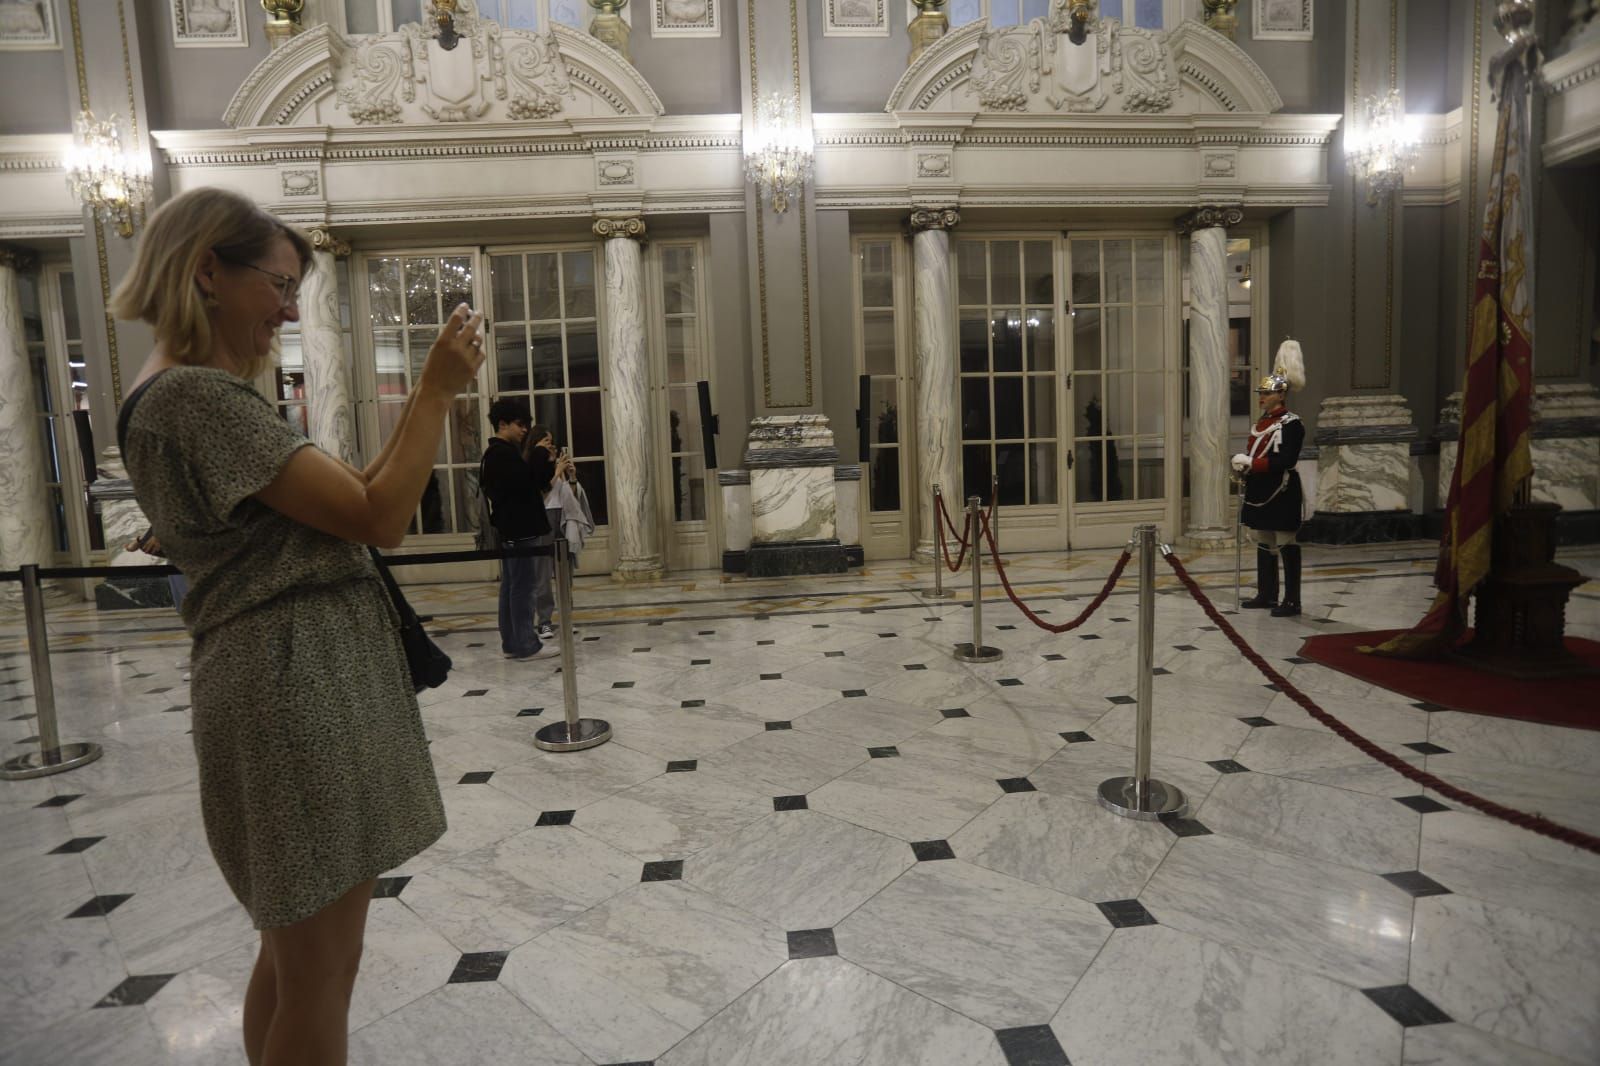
[(1037, 68)]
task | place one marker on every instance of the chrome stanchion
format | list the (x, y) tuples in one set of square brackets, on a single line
[(976, 652), (994, 510), (52, 757), (573, 734), (1140, 796), (938, 592), (1238, 545)]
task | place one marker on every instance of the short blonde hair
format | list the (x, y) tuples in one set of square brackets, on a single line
[(160, 288)]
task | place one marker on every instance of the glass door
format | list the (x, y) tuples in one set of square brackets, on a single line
[(881, 332), (687, 503), (1121, 357)]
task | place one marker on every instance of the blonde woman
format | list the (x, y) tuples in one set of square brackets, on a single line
[(314, 770)]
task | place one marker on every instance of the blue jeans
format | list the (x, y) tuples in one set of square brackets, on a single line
[(518, 635)]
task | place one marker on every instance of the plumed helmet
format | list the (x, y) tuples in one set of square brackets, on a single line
[(1288, 369)]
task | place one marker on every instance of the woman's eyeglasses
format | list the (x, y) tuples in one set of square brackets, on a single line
[(288, 285)]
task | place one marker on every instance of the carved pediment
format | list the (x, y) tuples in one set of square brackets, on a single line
[(405, 78), (1118, 69)]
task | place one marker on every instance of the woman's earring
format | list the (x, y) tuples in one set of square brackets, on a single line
[(211, 301)]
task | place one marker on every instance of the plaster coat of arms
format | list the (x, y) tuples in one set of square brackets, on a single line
[(1034, 67), (382, 77)]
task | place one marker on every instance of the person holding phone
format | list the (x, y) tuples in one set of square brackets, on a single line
[(314, 769), (548, 466)]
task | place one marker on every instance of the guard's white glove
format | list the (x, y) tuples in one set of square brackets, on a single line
[(1241, 462)]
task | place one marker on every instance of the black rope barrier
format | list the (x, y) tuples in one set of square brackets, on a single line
[(166, 570)]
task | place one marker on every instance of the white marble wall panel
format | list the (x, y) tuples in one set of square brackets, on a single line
[(1447, 469), (1364, 477), (847, 508), (25, 523), (1209, 510), (1566, 470), (122, 520), (792, 503), (736, 516), (628, 451), (321, 348), (937, 440)]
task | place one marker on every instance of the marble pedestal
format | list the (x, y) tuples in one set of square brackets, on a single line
[(1367, 476), (793, 509)]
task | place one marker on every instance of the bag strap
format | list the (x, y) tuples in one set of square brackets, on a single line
[(126, 413), (402, 606)]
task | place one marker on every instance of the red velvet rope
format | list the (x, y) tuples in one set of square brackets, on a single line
[(1535, 822), (1094, 605), (941, 520)]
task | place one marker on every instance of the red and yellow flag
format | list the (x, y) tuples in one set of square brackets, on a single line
[(1492, 456)]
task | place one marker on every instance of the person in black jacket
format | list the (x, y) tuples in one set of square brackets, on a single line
[(1273, 505), (517, 508)]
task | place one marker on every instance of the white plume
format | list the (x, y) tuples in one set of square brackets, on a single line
[(1291, 363)]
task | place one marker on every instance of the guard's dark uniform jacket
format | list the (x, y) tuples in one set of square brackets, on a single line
[(1272, 495)]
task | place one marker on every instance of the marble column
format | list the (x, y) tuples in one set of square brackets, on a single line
[(633, 523), (328, 391), (938, 432), (25, 522), (1211, 517)]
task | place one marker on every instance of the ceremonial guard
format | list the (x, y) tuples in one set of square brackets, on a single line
[(1273, 501)]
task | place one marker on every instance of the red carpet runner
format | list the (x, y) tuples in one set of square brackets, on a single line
[(1568, 702)]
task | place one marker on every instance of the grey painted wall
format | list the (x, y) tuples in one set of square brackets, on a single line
[(730, 336), (188, 88), (692, 75), (33, 92), (1427, 56), (1418, 347), (1309, 75), (835, 306), (854, 74)]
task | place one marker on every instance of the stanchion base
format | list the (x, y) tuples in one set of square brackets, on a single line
[(982, 654), (1117, 796), (45, 763), (590, 732), (938, 594)]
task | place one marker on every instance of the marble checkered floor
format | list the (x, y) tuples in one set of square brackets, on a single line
[(818, 839)]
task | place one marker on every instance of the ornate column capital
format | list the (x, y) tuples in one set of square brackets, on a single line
[(323, 240), (630, 228), (923, 218), (1209, 216), (18, 258)]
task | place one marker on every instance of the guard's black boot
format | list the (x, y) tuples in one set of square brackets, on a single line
[(1266, 581), (1291, 582)]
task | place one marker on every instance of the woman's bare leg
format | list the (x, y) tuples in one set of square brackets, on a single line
[(316, 962), (260, 1003)]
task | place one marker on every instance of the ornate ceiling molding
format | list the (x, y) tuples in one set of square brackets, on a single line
[(404, 79), (1120, 69)]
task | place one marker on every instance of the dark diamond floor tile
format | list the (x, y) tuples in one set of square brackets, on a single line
[(692, 703), (664, 870), (636, 651), (1031, 1045), (1431, 708), (100, 906), (1297, 660), (853, 693), (28, 740), (1406, 1005), (886, 752), (790, 803), (833, 655), (1422, 804), (1426, 748), (683, 766), (1005, 627), (176, 707), (478, 966), (932, 850), (1184, 827), (1121, 700), (955, 712), (75, 845), (886, 636), (706, 633), (915, 666), (1161, 671), (136, 991), (590, 640), (820, 625), (1228, 766), (1009, 682), (775, 726), (1417, 883), (1015, 784), (1256, 721), (772, 677), (1053, 658), (477, 645), (699, 662), (159, 691), (390, 887), (1186, 647), (530, 712), (1119, 619), (765, 643), (811, 943), (1126, 913), (1077, 736), (622, 684), (476, 777), (475, 692), (555, 818), (1088, 636), (60, 801), (1272, 688)]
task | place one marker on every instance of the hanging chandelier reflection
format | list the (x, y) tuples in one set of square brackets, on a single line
[(778, 150), (104, 176), (1384, 147)]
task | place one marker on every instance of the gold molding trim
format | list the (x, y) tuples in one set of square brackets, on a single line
[(1470, 222), (111, 325), (323, 240), (622, 228)]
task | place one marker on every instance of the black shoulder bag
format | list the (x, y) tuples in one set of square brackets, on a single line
[(429, 665)]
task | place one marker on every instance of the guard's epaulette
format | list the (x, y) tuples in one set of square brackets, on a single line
[(1288, 416)]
